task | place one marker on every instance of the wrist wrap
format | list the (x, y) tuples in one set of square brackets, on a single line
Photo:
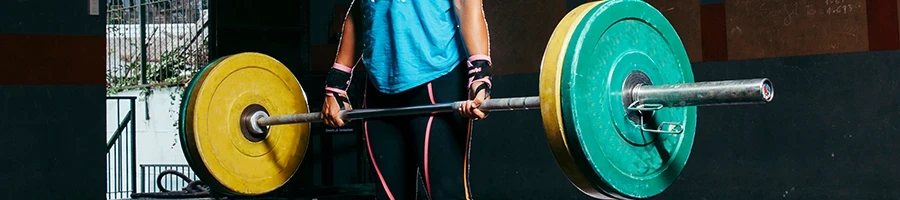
[(480, 71), (338, 79)]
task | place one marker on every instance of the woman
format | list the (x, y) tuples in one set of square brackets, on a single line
[(417, 52)]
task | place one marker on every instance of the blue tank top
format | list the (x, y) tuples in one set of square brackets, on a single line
[(407, 43)]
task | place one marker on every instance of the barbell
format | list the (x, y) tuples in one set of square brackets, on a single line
[(617, 100)]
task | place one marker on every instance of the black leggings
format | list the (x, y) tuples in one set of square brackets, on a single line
[(435, 143)]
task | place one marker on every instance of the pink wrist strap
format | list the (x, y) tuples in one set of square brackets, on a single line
[(484, 80), (473, 70), (341, 67), (332, 90), (478, 57)]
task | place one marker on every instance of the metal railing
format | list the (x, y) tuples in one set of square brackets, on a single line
[(152, 43), (121, 156), (171, 182)]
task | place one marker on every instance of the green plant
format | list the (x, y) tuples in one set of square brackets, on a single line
[(174, 110), (172, 71)]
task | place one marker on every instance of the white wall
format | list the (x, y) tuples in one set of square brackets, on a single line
[(157, 138)]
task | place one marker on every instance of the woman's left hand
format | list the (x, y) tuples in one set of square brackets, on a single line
[(469, 109)]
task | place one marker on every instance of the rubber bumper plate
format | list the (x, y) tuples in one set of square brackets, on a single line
[(219, 150), (592, 52)]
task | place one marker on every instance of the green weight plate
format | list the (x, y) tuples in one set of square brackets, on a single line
[(619, 38), (551, 109), (187, 147)]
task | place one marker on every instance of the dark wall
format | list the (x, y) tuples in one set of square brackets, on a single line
[(571, 4), (276, 28), (510, 157), (684, 15), (767, 29), (334, 153), (51, 17), (321, 14), (830, 133), (519, 32), (52, 110)]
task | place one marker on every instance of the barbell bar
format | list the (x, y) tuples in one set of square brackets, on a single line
[(712, 93), (617, 99)]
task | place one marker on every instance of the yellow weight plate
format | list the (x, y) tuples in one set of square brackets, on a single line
[(551, 66), (223, 155)]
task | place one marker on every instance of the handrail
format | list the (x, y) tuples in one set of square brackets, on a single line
[(122, 163), (118, 133)]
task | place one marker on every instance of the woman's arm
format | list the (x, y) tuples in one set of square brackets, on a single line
[(474, 26), (339, 75), (347, 53), (475, 35)]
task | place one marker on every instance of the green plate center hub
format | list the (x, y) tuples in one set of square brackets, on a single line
[(614, 41)]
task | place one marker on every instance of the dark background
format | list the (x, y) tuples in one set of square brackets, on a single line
[(52, 110)]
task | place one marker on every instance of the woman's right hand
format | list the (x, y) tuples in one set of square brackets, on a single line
[(331, 110)]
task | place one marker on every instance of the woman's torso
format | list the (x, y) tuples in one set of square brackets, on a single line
[(407, 43)]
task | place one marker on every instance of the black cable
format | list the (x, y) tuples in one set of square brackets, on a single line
[(194, 189)]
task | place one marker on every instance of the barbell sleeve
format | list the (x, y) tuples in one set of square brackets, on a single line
[(712, 93), (750, 91)]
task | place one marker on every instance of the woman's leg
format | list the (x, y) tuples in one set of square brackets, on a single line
[(389, 149), (442, 139)]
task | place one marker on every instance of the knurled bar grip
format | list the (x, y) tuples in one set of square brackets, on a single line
[(748, 91), (517, 103)]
